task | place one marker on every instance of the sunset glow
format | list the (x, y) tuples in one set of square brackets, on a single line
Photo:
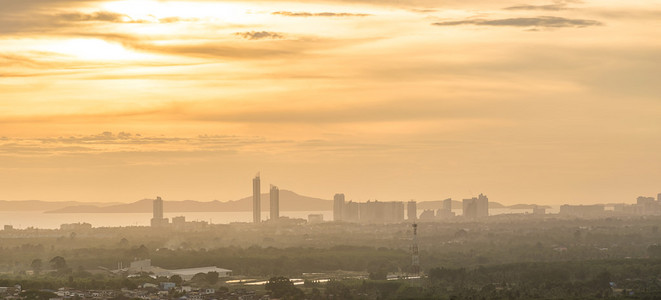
[(544, 101)]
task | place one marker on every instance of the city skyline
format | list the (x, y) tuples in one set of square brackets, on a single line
[(330, 149), (549, 102)]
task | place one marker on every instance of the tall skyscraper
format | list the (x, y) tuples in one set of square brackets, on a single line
[(158, 208), (470, 208), (338, 207), (274, 196), (482, 206), (412, 211), (256, 200), (447, 204), (158, 219)]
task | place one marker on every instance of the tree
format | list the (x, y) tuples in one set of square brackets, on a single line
[(36, 266), (176, 279), (212, 277), (337, 290), (282, 287), (199, 278), (58, 263)]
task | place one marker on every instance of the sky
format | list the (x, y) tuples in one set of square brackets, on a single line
[(545, 102)]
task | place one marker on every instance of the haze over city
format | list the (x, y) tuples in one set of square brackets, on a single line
[(545, 102), (330, 149)]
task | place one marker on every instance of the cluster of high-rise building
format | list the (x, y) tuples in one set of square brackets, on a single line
[(582, 211), (178, 223), (476, 207), (473, 208), (444, 213), (391, 212), (367, 212), (644, 206), (274, 201), (357, 212)]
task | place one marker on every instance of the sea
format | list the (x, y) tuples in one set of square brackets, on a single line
[(37, 219)]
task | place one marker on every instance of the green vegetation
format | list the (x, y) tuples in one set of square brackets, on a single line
[(502, 258)]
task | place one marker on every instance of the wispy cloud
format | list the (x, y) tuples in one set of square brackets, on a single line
[(259, 35), (122, 142), (321, 14), (104, 16), (112, 17), (542, 21), (552, 7)]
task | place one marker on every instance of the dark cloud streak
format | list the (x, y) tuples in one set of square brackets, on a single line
[(260, 35), (542, 21), (551, 7), (103, 16)]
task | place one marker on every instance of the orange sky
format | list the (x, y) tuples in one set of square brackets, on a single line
[(533, 101)]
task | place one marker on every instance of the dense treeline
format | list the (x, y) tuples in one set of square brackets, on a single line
[(503, 257), (287, 261), (314, 247), (595, 279)]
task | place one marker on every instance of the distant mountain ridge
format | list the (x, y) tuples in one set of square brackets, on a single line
[(289, 201), (39, 205)]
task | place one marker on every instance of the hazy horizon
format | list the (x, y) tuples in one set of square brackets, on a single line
[(546, 102)]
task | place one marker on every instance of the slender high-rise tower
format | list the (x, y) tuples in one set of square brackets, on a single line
[(158, 219), (256, 200), (158, 208), (415, 258), (274, 196), (338, 207)]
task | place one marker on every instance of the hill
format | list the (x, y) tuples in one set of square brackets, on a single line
[(289, 201), (38, 205)]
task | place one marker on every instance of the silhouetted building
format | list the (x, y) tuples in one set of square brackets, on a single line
[(647, 205), (427, 215), (256, 200), (179, 222), (351, 211), (538, 210), (76, 226), (370, 211), (315, 218), (145, 266), (582, 210), (412, 211), (642, 200), (446, 209), (381, 212), (274, 197), (447, 204), (658, 197), (158, 208), (338, 207), (476, 207), (158, 219)]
